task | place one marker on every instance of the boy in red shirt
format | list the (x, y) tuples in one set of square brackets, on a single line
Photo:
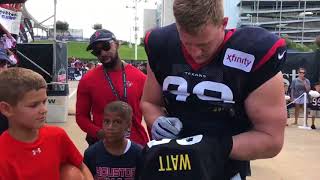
[(29, 149)]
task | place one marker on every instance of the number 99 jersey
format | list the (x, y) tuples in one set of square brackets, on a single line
[(315, 103), (209, 99)]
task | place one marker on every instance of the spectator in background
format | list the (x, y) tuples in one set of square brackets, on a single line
[(287, 96), (90, 66), (4, 61), (314, 105), (113, 80), (8, 42), (4, 31), (299, 86), (143, 67)]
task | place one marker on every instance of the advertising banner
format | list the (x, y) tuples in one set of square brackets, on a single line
[(10, 20)]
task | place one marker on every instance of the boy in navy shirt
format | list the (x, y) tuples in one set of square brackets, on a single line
[(115, 156)]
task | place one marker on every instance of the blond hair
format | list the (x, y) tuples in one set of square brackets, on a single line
[(191, 15), (16, 82), (123, 108)]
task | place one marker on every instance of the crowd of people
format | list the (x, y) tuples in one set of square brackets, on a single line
[(300, 93), (211, 104), (77, 68)]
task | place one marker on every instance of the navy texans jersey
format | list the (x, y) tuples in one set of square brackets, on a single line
[(188, 159), (314, 103), (209, 99)]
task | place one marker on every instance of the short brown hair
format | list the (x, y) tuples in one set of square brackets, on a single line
[(191, 15), (123, 108), (16, 82)]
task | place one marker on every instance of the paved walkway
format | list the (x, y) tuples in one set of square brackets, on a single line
[(298, 160)]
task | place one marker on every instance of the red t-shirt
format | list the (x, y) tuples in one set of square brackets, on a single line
[(94, 93), (39, 160)]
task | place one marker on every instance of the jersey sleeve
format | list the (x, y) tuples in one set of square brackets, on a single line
[(148, 49), (267, 67), (70, 154), (154, 42)]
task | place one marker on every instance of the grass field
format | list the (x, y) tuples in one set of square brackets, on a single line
[(78, 49)]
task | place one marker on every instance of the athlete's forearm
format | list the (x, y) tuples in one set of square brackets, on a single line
[(255, 145), (151, 112)]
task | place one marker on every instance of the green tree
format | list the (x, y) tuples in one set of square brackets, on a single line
[(97, 26), (62, 26)]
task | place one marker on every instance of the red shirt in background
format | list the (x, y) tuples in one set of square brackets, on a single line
[(94, 93)]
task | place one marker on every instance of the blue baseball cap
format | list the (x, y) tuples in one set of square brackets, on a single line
[(4, 56), (101, 35)]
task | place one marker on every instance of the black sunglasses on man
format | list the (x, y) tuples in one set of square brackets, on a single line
[(106, 47)]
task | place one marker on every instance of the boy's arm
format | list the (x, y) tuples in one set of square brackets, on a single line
[(85, 172), (72, 156)]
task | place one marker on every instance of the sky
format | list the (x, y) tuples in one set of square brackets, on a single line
[(112, 14)]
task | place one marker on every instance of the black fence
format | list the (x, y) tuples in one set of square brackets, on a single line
[(308, 60)]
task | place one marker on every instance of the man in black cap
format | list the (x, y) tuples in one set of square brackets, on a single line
[(113, 80)]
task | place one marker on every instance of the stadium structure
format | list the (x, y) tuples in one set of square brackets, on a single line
[(299, 20)]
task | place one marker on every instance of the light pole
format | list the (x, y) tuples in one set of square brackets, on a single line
[(250, 16), (135, 7), (55, 20), (130, 26), (280, 17), (136, 29), (303, 14), (54, 63)]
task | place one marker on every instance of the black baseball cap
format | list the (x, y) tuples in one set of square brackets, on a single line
[(101, 35)]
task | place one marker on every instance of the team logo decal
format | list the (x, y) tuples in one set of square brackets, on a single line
[(238, 59), (281, 55)]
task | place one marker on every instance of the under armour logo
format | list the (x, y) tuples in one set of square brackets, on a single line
[(36, 151)]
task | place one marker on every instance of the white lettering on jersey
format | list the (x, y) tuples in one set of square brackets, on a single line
[(190, 140), (238, 59), (182, 91), (226, 93), (315, 102), (154, 142), (199, 89)]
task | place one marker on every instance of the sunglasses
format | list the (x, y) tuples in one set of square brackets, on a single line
[(97, 51), (302, 72)]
